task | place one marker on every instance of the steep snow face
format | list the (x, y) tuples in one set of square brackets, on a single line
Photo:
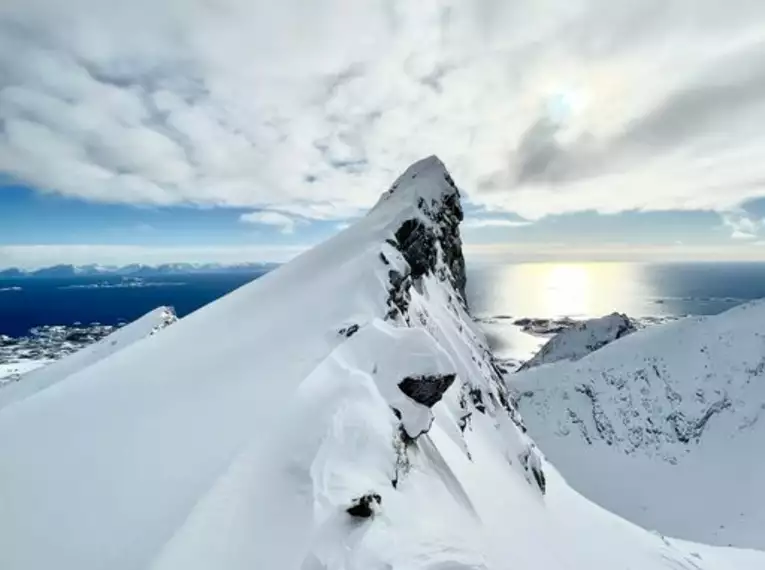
[(582, 339), (663, 426), (44, 377), (342, 412)]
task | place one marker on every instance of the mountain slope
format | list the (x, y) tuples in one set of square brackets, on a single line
[(41, 378), (350, 378), (663, 426), (581, 339)]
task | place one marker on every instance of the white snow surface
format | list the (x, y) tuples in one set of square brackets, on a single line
[(665, 426), (237, 438), (9, 372), (583, 338), (40, 375)]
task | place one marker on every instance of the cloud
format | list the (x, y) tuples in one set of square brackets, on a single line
[(311, 109), (285, 223), (44, 255), (742, 226), (494, 223)]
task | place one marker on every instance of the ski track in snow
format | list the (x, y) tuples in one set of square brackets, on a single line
[(238, 436)]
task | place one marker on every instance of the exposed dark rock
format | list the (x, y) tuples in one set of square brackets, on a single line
[(349, 331), (477, 397), (418, 241), (539, 477), (688, 430), (417, 245), (384, 259), (599, 416), (399, 295), (364, 506), (396, 412), (426, 389)]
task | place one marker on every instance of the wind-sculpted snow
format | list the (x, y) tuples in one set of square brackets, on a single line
[(663, 426), (341, 413)]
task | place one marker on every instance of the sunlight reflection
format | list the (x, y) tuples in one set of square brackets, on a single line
[(567, 289), (562, 289)]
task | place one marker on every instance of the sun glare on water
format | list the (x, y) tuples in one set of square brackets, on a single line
[(579, 290), (566, 289)]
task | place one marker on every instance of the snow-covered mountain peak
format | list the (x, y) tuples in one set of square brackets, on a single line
[(582, 338), (427, 179), (343, 412), (424, 207)]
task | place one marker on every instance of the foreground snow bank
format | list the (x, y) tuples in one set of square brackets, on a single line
[(664, 426), (240, 437)]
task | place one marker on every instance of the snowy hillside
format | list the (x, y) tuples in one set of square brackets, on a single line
[(341, 413), (664, 427), (581, 339), (40, 378)]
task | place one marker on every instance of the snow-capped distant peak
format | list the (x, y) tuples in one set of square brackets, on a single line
[(582, 338), (37, 380)]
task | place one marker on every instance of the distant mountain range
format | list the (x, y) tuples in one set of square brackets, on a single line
[(133, 270)]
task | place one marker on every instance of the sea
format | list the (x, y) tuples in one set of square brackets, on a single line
[(538, 290)]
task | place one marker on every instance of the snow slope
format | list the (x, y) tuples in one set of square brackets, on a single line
[(43, 377), (239, 436), (11, 372), (581, 339), (665, 426)]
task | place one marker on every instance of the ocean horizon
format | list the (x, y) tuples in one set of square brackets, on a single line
[(538, 290)]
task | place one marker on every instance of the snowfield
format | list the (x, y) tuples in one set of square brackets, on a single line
[(239, 437), (664, 426)]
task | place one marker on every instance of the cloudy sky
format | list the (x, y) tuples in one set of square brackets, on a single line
[(251, 129)]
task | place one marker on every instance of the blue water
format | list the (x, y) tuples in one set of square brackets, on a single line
[(585, 290), (64, 302), (519, 290)]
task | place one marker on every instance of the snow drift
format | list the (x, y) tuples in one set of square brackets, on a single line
[(664, 426), (341, 412)]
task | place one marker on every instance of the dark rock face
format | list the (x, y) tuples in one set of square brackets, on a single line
[(539, 477), (349, 331), (419, 242), (426, 389), (398, 295), (364, 506), (416, 242)]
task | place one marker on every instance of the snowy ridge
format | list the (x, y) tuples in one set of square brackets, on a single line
[(240, 437), (581, 339), (41, 378), (672, 411)]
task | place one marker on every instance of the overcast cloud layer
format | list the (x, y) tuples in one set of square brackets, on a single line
[(308, 109)]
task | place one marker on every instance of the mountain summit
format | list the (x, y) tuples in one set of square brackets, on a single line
[(341, 412)]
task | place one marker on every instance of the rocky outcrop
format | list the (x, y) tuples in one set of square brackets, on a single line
[(431, 242), (423, 258), (428, 389), (365, 506)]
